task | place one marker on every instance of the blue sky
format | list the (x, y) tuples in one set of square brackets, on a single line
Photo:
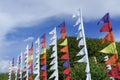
[(22, 21)]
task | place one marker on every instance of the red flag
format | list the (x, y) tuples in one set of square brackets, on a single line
[(31, 77), (68, 77), (63, 30), (112, 60), (65, 56), (45, 78), (43, 56), (67, 71), (115, 72), (31, 67), (43, 40), (107, 27), (43, 73), (108, 38), (44, 45), (43, 62)]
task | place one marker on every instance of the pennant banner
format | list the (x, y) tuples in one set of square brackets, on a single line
[(65, 49), (84, 59), (65, 56), (66, 64), (110, 49), (64, 43), (82, 52), (66, 71)]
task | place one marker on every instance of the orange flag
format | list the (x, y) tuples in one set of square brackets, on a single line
[(65, 49), (30, 62), (43, 56), (63, 36), (112, 60), (44, 45), (43, 62), (108, 38)]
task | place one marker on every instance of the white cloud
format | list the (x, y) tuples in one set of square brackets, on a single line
[(29, 39)]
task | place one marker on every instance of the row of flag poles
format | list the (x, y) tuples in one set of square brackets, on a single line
[(29, 65)]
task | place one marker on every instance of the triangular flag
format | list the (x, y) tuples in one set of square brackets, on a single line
[(66, 71), (79, 35), (68, 77), (84, 59), (105, 19), (43, 62), (66, 64), (43, 67), (43, 56), (54, 74), (53, 31), (53, 42), (87, 70), (54, 48), (81, 42), (77, 22), (81, 52), (53, 67), (63, 30), (108, 38), (43, 73), (107, 27), (65, 49), (30, 62), (88, 76), (65, 56), (53, 55), (53, 37), (31, 57), (63, 36), (115, 72), (110, 49), (112, 60), (53, 61), (64, 43)]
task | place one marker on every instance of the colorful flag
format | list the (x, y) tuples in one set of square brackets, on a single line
[(43, 62), (63, 36), (108, 38), (43, 67), (105, 19), (64, 43), (65, 56), (62, 24), (65, 49), (112, 60), (107, 27), (66, 64), (66, 71), (110, 49), (63, 30), (84, 59), (43, 73)]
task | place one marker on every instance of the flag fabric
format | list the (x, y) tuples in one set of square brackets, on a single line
[(77, 22), (53, 55), (66, 64), (110, 49), (105, 19), (81, 52), (63, 30), (62, 24), (84, 59), (64, 43), (43, 73), (43, 56), (112, 60), (79, 35), (108, 38), (66, 71), (43, 62), (115, 72), (63, 36), (43, 67), (53, 31), (53, 75), (68, 77), (107, 27), (53, 61), (64, 49), (65, 56), (81, 42)]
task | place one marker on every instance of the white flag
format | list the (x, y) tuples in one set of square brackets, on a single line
[(79, 35), (81, 42), (78, 22), (88, 76), (53, 61), (53, 54), (53, 37), (53, 42), (53, 31), (53, 75), (84, 59), (81, 52), (87, 70), (53, 67), (54, 48)]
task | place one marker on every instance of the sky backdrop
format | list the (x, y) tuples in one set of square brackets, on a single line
[(22, 21)]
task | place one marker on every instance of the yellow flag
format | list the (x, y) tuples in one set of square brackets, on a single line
[(110, 49), (43, 51), (64, 43)]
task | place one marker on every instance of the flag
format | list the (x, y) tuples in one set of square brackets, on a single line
[(43, 62), (112, 60), (68, 77), (81, 42), (43, 67), (81, 52), (53, 61), (54, 74), (43, 56), (66, 64), (106, 58), (108, 38), (53, 42), (77, 22), (31, 49), (64, 43), (53, 55), (84, 59), (53, 67), (63, 30), (43, 73), (105, 19), (63, 36), (79, 35), (43, 41), (65, 56), (110, 49), (115, 72), (62, 24), (65, 49), (66, 71), (107, 27), (53, 31), (88, 76)]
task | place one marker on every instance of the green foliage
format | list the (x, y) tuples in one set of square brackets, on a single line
[(98, 71)]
